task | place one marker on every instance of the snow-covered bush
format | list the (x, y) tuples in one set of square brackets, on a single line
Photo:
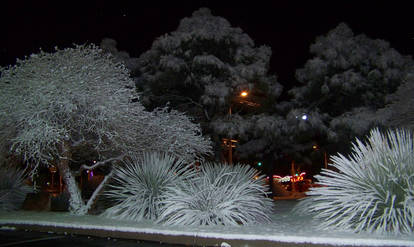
[(13, 190), (220, 194), (372, 190), (139, 186)]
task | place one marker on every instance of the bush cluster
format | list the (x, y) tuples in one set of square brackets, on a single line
[(164, 189)]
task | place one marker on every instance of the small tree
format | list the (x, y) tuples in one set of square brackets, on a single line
[(53, 103)]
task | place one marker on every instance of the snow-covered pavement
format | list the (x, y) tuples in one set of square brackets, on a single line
[(287, 228)]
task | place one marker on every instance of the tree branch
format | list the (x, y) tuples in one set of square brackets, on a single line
[(97, 191), (99, 163)]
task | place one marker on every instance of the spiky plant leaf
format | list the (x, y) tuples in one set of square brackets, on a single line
[(138, 187), (373, 189), (13, 190), (220, 194)]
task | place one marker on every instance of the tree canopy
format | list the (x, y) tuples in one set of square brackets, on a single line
[(202, 67), (53, 103), (348, 79)]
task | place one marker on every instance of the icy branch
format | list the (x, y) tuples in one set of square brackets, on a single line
[(99, 163)]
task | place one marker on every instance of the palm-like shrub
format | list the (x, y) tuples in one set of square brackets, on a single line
[(138, 187), (13, 190), (373, 189), (220, 194)]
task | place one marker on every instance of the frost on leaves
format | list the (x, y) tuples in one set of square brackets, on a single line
[(371, 190), (82, 97)]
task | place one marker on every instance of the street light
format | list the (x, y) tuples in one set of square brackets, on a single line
[(243, 94), (228, 142), (303, 116), (325, 155)]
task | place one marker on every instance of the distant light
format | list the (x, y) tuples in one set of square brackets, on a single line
[(244, 93), (304, 117), (259, 163)]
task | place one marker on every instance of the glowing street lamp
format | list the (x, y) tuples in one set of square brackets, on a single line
[(304, 117), (228, 142)]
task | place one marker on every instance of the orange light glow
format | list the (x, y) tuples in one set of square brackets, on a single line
[(244, 93)]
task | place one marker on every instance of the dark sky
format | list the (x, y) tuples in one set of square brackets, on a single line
[(288, 27)]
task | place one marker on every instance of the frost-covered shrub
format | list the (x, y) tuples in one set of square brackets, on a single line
[(220, 194), (373, 189), (139, 186), (13, 190)]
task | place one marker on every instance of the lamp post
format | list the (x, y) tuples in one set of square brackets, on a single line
[(325, 155), (228, 142)]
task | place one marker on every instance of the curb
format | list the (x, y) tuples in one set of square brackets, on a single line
[(180, 239)]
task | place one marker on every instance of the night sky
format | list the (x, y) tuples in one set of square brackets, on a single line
[(288, 28)]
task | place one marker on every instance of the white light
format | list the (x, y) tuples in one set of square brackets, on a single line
[(304, 117)]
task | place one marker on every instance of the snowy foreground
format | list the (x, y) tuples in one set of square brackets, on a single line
[(287, 227)]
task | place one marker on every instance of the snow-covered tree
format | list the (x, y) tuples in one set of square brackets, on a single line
[(400, 112), (54, 103), (202, 67), (110, 45), (258, 134), (348, 80)]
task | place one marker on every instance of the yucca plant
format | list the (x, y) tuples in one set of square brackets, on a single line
[(13, 190), (138, 187), (372, 190), (220, 194)]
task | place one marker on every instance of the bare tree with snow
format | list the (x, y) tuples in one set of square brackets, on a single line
[(53, 103)]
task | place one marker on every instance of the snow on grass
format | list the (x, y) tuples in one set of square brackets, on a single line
[(286, 227)]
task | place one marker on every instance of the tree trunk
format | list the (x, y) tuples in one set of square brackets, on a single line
[(76, 204)]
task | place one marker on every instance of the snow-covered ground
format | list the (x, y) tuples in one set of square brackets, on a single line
[(286, 227)]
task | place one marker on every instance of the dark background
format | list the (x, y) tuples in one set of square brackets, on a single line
[(288, 27)]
